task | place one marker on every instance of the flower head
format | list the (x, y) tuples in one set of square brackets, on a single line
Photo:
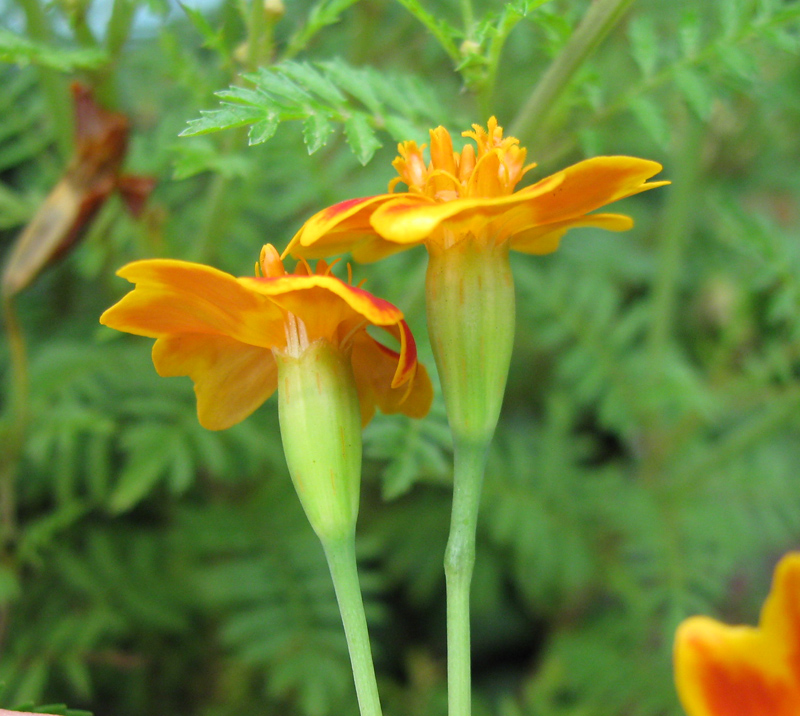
[(725, 670), (224, 333), (470, 195)]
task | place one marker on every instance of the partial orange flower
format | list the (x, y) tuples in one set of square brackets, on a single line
[(223, 333), (471, 195), (725, 670)]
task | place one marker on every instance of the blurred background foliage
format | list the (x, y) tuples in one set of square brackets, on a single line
[(647, 461)]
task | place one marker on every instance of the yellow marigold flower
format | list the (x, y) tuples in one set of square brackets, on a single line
[(463, 206), (725, 670), (224, 333), (471, 195)]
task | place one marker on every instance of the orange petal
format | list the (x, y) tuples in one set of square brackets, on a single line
[(375, 249), (545, 239), (780, 617), (485, 178), (407, 220), (584, 187), (336, 229), (407, 360), (376, 368), (442, 150), (731, 671), (173, 297), (323, 302), (231, 379)]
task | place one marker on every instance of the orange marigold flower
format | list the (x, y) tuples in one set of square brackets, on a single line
[(471, 195), (725, 670), (223, 332)]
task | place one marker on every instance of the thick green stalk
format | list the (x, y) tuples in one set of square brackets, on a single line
[(470, 462), (341, 555), (600, 18)]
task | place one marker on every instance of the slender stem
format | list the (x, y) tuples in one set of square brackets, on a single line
[(467, 17), (773, 416), (54, 87), (14, 432), (119, 26), (677, 223), (434, 28), (328, 13), (470, 462), (599, 19), (341, 555), (257, 39)]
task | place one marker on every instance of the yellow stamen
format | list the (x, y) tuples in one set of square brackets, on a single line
[(452, 175)]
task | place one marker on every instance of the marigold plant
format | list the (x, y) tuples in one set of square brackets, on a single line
[(464, 208)]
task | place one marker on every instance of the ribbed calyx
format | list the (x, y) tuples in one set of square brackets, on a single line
[(470, 299), (320, 423)]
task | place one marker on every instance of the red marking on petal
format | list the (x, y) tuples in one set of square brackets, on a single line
[(336, 209), (407, 357), (736, 688), (379, 303)]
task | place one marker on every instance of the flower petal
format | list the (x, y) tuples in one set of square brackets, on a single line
[(740, 671), (336, 229), (780, 617), (584, 187), (231, 379), (174, 297), (545, 239), (406, 220), (324, 302), (376, 369), (731, 671)]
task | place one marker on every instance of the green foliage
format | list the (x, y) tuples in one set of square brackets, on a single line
[(363, 101), (22, 51), (645, 466)]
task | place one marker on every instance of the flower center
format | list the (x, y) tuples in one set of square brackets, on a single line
[(491, 168)]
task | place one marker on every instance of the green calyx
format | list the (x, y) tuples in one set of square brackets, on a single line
[(320, 423), (470, 301)]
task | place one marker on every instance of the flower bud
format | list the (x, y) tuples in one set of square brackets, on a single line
[(320, 423)]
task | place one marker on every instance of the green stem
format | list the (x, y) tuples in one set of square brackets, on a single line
[(772, 417), (14, 432), (677, 223), (598, 21), (341, 555), (434, 27), (119, 26), (328, 13), (52, 85), (467, 17), (470, 462), (216, 215)]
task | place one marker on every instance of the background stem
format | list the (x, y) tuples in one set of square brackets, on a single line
[(675, 226), (594, 26), (53, 86)]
